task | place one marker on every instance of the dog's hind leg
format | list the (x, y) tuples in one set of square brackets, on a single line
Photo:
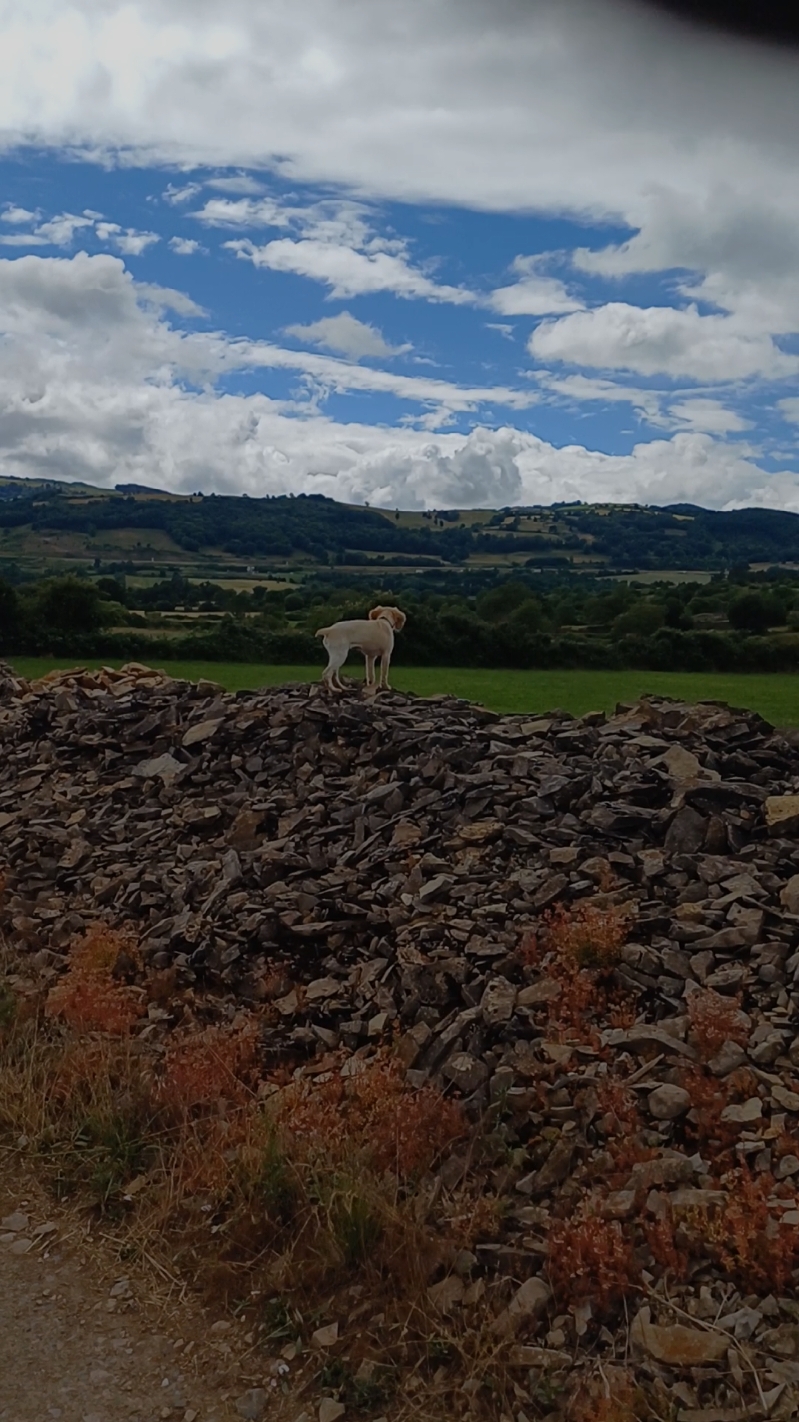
[(336, 657)]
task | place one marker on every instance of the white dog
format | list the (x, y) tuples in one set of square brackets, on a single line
[(374, 636)]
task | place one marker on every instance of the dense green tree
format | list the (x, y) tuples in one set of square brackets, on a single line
[(112, 589), (10, 618), (501, 601), (751, 612), (642, 619), (602, 610), (69, 605), (676, 614), (528, 617)]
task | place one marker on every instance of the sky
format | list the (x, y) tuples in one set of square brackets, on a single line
[(448, 253)]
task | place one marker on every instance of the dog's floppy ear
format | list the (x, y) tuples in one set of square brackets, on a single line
[(375, 613), (399, 619)]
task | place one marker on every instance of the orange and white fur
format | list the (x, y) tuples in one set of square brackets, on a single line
[(374, 636)]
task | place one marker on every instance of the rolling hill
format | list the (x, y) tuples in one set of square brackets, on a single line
[(43, 524)]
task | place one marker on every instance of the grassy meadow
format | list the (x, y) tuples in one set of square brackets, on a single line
[(775, 697)]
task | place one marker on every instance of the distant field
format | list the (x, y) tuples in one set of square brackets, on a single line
[(775, 697), (675, 575)]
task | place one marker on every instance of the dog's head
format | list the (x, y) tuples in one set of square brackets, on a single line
[(392, 615)]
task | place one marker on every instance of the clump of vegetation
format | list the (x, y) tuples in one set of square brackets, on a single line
[(609, 1395), (313, 1179), (205, 1068), (590, 935), (374, 1115), (756, 1252), (715, 1020), (90, 996), (281, 1193), (620, 1126), (590, 1258), (578, 948)]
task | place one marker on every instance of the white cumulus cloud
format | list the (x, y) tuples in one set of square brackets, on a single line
[(347, 272), (703, 413), (128, 241), (245, 212), (534, 293), (60, 231), (184, 192), (661, 340), (185, 246), (790, 409), (96, 384), (17, 216), (22, 239)]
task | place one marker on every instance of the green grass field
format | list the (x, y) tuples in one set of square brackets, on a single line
[(775, 697)]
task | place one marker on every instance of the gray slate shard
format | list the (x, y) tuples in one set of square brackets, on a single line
[(686, 833)]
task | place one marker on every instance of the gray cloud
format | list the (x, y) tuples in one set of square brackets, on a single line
[(508, 106), (712, 416), (235, 183), (346, 335)]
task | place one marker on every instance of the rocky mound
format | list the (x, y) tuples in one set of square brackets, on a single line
[(419, 871)]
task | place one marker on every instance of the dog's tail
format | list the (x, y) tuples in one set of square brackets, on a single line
[(322, 632)]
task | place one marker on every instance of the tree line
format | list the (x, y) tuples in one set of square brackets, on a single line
[(739, 622)]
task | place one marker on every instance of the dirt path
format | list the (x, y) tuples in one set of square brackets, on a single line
[(79, 1344)]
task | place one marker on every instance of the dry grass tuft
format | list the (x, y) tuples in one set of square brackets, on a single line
[(250, 1187), (373, 1116), (208, 1067)]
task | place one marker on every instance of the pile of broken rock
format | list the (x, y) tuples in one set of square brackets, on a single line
[(371, 868)]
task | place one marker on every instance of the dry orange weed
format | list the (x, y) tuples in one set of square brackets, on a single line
[(89, 997)]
